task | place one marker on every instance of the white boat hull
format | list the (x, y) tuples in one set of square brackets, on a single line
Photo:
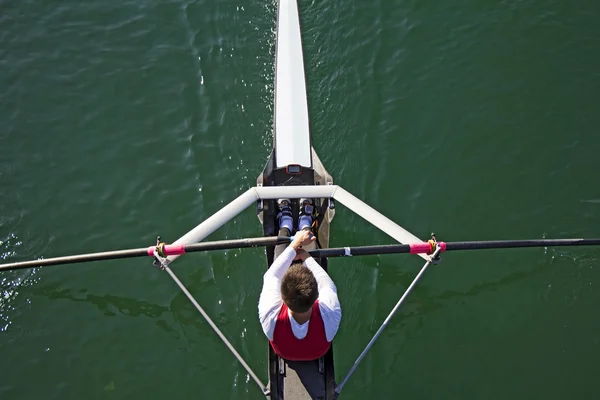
[(292, 132)]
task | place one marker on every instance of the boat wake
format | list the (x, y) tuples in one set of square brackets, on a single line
[(593, 201)]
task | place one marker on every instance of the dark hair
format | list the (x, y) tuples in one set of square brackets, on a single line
[(299, 289)]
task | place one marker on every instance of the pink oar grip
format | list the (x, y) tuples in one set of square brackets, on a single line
[(425, 248), (420, 248), (169, 249), (174, 249)]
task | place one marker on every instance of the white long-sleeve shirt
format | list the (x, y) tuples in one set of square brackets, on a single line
[(270, 302)]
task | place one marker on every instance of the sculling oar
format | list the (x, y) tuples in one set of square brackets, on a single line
[(162, 249), (430, 247)]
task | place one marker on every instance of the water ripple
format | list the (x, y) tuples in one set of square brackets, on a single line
[(11, 282)]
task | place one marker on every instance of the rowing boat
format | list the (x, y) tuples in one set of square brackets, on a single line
[(294, 162)]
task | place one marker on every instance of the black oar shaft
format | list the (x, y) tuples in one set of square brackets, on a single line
[(146, 251), (361, 250), (507, 244)]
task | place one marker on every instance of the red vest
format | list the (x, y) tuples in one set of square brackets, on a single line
[(313, 346)]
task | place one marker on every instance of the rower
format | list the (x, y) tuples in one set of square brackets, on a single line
[(299, 309)]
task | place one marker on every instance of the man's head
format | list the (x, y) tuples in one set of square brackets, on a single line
[(299, 288)]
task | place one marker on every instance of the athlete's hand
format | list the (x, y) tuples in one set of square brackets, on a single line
[(302, 238), (301, 254)]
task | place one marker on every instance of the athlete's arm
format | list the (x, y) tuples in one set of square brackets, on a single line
[(270, 301), (329, 304)]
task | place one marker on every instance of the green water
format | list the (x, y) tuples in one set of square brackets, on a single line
[(125, 120)]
